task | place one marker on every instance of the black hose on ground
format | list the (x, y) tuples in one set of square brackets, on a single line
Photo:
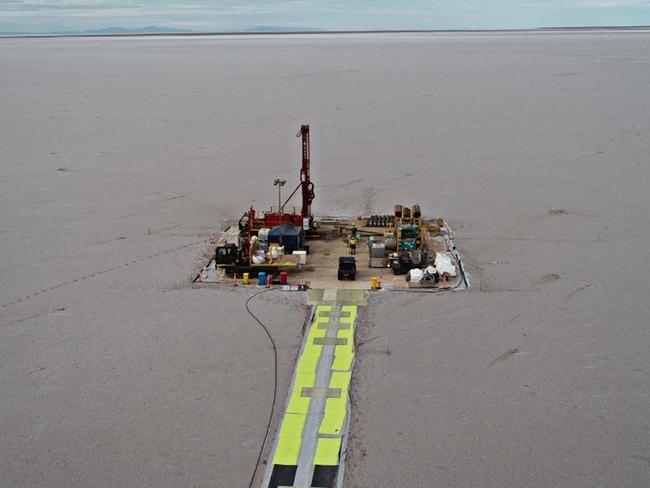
[(275, 382)]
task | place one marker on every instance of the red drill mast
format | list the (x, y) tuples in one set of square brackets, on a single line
[(305, 185), (305, 182)]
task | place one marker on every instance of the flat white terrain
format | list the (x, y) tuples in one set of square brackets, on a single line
[(119, 158)]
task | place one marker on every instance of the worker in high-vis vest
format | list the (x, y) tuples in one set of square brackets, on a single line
[(352, 244)]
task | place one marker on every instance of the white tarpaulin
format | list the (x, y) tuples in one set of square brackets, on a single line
[(444, 265), (415, 275)]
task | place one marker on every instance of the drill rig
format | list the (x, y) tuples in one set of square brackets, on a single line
[(248, 250)]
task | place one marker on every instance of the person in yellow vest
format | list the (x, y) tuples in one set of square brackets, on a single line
[(352, 244)]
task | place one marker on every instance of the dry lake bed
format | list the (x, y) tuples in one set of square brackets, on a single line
[(120, 157)]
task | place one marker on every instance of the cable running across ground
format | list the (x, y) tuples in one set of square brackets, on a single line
[(275, 383)]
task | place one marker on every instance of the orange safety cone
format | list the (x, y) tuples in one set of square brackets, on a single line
[(234, 280), (269, 278)]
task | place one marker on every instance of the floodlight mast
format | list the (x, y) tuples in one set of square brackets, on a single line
[(279, 183)]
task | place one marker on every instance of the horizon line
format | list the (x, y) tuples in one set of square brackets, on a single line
[(177, 33)]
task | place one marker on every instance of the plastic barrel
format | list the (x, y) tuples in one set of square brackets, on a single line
[(245, 278), (283, 277), (261, 278), (374, 283)]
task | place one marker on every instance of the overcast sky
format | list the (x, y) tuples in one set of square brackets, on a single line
[(231, 15)]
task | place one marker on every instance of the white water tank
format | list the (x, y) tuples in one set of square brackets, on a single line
[(302, 256), (263, 235)]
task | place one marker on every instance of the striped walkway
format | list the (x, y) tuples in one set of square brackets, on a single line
[(309, 447)]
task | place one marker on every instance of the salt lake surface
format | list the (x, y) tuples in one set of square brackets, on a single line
[(119, 158)]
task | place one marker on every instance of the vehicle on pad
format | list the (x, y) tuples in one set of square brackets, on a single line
[(347, 268)]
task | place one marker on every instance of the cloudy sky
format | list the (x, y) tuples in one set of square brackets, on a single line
[(232, 15)]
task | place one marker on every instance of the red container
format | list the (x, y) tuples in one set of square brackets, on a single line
[(283, 277)]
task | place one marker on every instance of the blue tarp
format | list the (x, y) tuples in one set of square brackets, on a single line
[(286, 235)]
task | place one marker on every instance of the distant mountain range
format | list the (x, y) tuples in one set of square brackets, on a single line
[(154, 29), (106, 31), (276, 28), (263, 29)]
